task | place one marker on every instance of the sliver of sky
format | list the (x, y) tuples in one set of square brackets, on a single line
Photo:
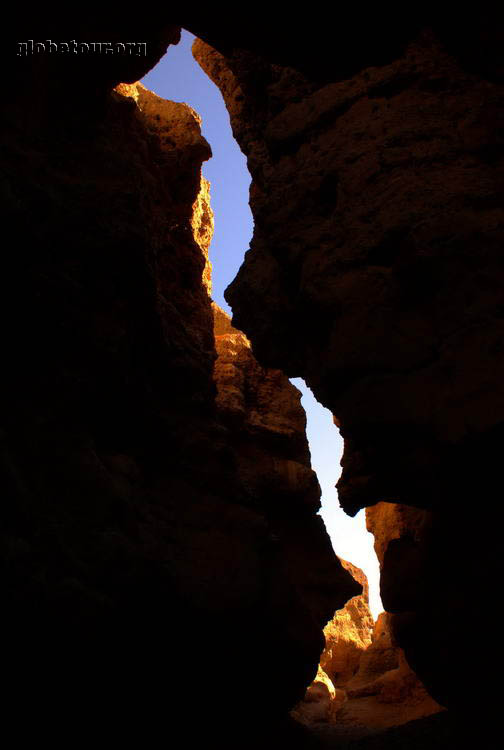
[(178, 77), (349, 536)]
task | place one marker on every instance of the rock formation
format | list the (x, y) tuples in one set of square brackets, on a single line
[(133, 520), (402, 535), (385, 691), (375, 273), (348, 634), (320, 703), (156, 522), (364, 683), (266, 422)]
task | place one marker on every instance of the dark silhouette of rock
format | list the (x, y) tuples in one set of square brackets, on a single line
[(375, 273), (130, 520), (364, 683), (148, 536)]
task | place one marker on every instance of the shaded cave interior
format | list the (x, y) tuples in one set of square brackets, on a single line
[(178, 77), (158, 517), (350, 631)]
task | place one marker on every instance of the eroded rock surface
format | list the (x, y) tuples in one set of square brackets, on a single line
[(375, 273), (385, 691), (266, 422), (402, 536), (109, 356), (364, 683), (362, 173), (152, 530), (348, 634)]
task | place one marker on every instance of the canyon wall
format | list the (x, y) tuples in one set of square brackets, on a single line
[(363, 684), (375, 273), (348, 634), (158, 501), (142, 553), (385, 691)]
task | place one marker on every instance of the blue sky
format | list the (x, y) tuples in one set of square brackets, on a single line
[(178, 77)]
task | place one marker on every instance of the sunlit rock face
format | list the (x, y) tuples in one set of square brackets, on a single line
[(375, 273), (381, 655), (320, 703), (348, 634), (385, 675), (153, 532), (364, 683), (266, 423)]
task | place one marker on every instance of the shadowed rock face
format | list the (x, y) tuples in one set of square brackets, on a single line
[(347, 637), (385, 691), (410, 544), (369, 198), (108, 356), (133, 529), (266, 422), (152, 533), (364, 683), (375, 273), (68, 91)]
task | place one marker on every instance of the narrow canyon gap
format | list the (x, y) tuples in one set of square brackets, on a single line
[(375, 273), (157, 482), (178, 77), (149, 498)]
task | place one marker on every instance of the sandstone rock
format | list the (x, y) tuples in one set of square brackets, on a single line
[(375, 274), (263, 412), (402, 534), (348, 634), (320, 702), (381, 692), (149, 529), (315, 170), (380, 656), (132, 518), (387, 521), (392, 692), (107, 403), (202, 223)]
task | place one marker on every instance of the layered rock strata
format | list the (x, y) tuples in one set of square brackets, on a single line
[(150, 528), (375, 273)]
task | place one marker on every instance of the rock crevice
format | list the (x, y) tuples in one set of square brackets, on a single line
[(159, 502), (156, 478), (375, 274)]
